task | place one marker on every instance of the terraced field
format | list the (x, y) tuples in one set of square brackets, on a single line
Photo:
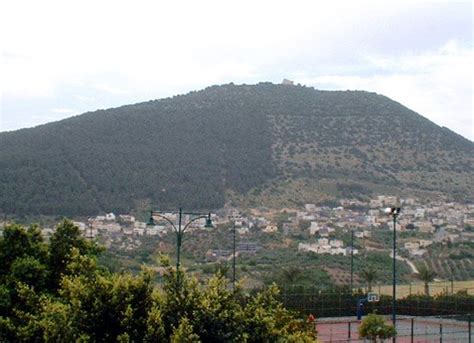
[(461, 269)]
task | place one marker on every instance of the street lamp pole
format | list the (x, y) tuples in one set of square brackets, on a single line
[(352, 260), (233, 218), (233, 256), (180, 229), (394, 212)]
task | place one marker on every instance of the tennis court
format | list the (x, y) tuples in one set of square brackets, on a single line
[(446, 329)]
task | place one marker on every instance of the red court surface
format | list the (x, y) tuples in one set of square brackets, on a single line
[(425, 329)]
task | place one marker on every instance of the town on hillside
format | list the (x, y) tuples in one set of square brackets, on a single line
[(429, 222)]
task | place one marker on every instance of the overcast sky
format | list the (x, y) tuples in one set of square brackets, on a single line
[(62, 58)]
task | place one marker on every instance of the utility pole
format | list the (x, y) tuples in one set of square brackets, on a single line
[(452, 279), (233, 256)]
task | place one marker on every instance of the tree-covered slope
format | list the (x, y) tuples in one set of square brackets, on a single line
[(200, 149)]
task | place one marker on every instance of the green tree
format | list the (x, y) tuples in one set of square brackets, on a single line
[(66, 238), (18, 242), (107, 306), (291, 275), (426, 275), (266, 320), (222, 268), (373, 327), (155, 330), (90, 303), (184, 333), (30, 271), (369, 275)]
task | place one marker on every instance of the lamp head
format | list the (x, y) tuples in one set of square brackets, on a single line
[(208, 222), (151, 221), (393, 211)]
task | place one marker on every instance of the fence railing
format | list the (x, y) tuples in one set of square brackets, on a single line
[(343, 303), (455, 328)]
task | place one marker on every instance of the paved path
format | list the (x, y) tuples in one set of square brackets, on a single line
[(414, 270)]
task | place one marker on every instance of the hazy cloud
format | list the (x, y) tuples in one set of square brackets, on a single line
[(63, 110), (436, 84), (98, 54)]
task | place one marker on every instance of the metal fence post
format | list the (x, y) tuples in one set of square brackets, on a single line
[(440, 333), (412, 329), (349, 330), (469, 326)]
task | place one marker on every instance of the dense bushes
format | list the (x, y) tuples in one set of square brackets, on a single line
[(77, 300)]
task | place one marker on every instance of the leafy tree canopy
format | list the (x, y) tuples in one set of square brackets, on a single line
[(373, 327), (59, 293)]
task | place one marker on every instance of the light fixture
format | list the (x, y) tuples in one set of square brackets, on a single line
[(392, 211), (208, 222), (151, 221)]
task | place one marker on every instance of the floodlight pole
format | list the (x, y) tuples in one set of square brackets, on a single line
[(394, 276), (394, 212), (233, 256), (352, 260)]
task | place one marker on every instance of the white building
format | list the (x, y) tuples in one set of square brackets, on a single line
[(308, 217), (242, 230), (80, 225), (127, 218), (270, 229), (375, 203), (90, 233), (420, 213), (128, 231), (111, 227), (390, 201), (314, 228), (139, 231), (151, 231)]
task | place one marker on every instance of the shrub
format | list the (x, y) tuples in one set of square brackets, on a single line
[(373, 327)]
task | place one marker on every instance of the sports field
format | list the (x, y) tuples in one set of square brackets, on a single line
[(409, 329), (435, 288)]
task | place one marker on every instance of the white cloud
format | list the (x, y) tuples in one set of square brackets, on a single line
[(103, 87), (436, 84), (95, 54), (63, 110)]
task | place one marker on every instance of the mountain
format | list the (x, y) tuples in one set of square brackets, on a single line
[(254, 145)]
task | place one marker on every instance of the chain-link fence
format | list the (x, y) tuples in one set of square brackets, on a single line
[(454, 328), (335, 303)]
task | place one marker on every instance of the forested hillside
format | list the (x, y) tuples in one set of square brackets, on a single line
[(260, 144)]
